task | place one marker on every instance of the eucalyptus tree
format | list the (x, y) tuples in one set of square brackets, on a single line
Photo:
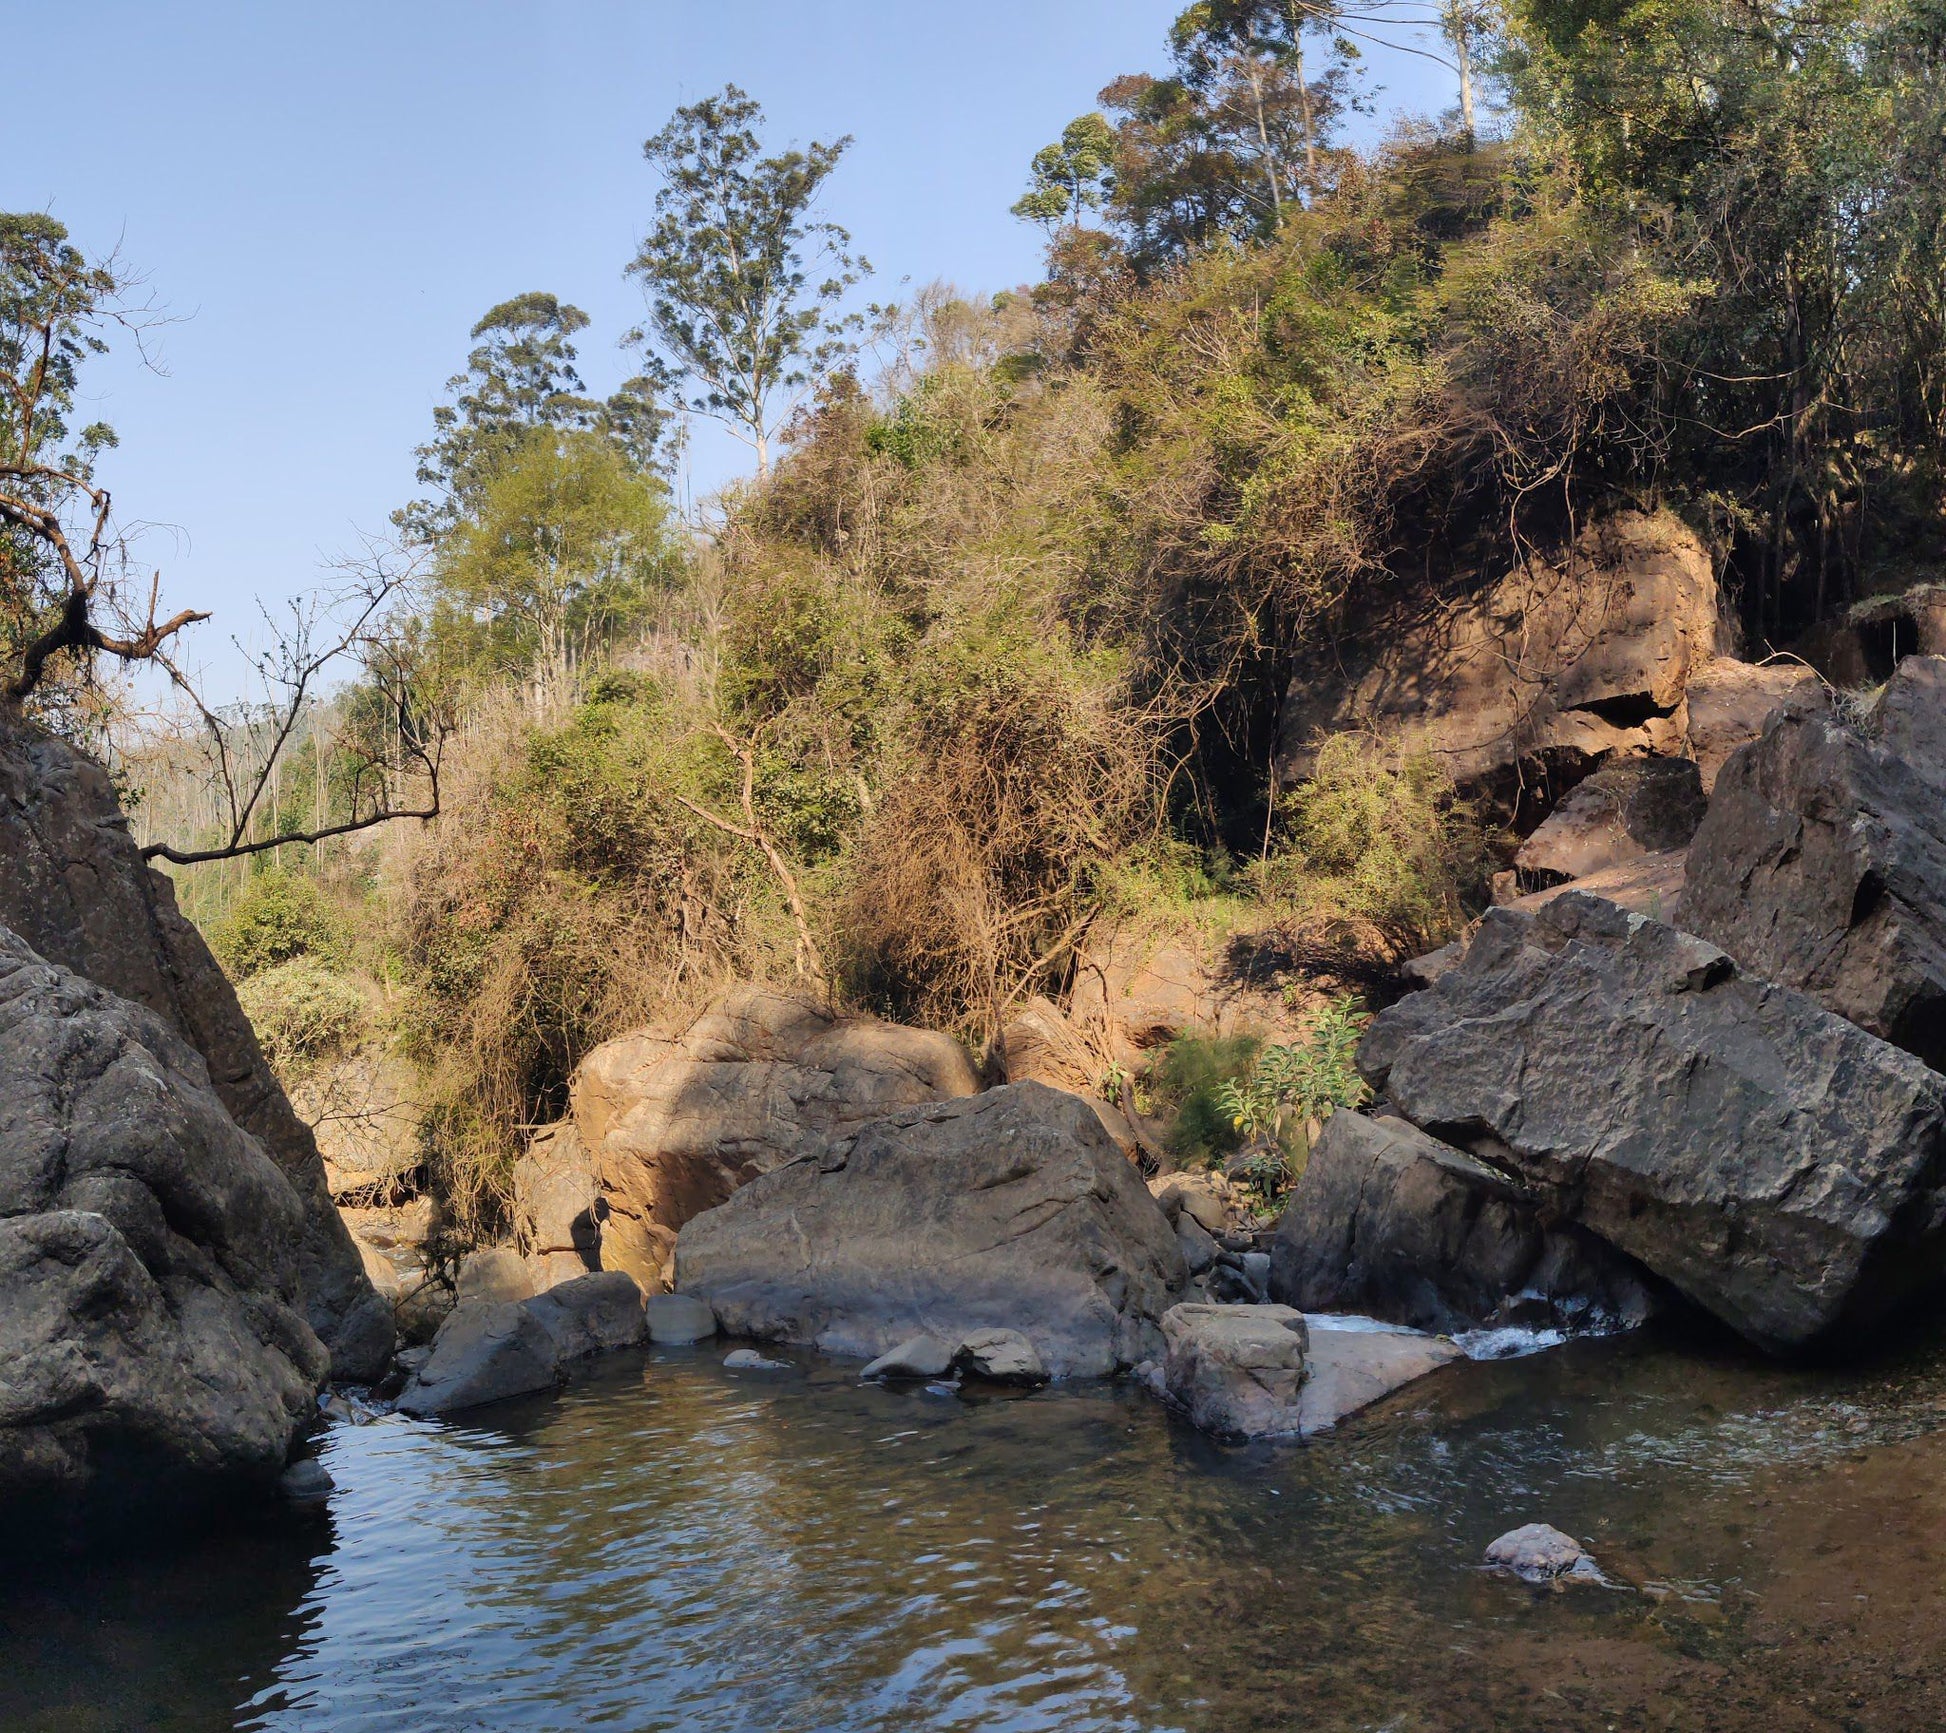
[(744, 281)]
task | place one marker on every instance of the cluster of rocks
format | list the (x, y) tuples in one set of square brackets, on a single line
[(1592, 1108)]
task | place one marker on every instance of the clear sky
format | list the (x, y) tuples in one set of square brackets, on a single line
[(327, 194)]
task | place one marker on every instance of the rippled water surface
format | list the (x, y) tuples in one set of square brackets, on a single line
[(668, 1545)]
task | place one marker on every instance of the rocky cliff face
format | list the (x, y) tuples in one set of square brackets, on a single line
[(150, 1254), (75, 889)]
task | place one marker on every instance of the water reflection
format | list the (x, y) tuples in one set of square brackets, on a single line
[(669, 1545)]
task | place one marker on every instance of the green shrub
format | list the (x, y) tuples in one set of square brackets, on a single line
[(1189, 1082), (304, 1015), (1386, 839), (280, 917)]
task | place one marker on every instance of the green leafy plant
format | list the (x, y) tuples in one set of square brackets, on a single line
[(1291, 1089), (283, 915)]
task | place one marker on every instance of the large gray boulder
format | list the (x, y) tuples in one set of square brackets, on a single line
[(1236, 1371), (1822, 861), (1397, 1225), (1009, 1210), (1775, 1163), (150, 1296), (664, 1126), (74, 886), (488, 1350)]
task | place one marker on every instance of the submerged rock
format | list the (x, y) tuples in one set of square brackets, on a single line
[(1000, 1357), (749, 1360), (1822, 862), (306, 1481), (1388, 1221), (918, 1357), (1537, 1553), (150, 1264), (1009, 1210), (488, 1350), (1773, 1162)]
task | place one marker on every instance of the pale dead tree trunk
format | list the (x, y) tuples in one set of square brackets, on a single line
[(1459, 33), (1256, 76), (809, 960), (1297, 15)]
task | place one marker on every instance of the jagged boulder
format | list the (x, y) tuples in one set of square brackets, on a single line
[(1590, 657), (1728, 702), (666, 1127), (1236, 1371), (1629, 809), (74, 886), (1822, 861), (1007, 1210), (151, 1328), (1392, 1223), (1773, 1162)]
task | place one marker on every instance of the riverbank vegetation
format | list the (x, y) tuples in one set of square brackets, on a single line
[(992, 650)]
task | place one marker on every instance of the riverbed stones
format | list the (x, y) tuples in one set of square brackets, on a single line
[(1538, 1553), (1395, 1224), (1011, 1209), (1822, 862), (151, 1328), (1773, 1162), (678, 1318), (489, 1350), (666, 1125), (75, 889)]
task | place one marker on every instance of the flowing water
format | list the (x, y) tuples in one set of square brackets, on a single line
[(669, 1545)]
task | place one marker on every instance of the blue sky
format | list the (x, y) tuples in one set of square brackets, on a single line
[(327, 195)]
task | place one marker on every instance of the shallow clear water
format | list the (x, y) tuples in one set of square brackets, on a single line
[(668, 1545)]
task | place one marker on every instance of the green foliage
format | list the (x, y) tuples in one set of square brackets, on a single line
[(281, 917), (1190, 1084), (1072, 175), (304, 1014), (564, 549), (1384, 839), (1294, 1084)]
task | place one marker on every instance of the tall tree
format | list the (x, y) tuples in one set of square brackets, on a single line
[(61, 563), (743, 279), (1071, 175), (521, 379)]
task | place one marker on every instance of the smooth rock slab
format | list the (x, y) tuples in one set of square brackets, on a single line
[(487, 1351), (917, 1357), (677, 1318), (1006, 1210), (1350, 1369), (1775, 1163)]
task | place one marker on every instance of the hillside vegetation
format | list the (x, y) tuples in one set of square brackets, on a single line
[(994, 646)]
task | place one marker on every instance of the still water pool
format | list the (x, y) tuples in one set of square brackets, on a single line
[(668, 1545)]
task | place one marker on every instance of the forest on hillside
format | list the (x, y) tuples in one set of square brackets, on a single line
[(994, 644)]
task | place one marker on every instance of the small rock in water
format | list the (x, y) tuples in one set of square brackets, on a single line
[(938, 1389), (679, 1318), (346, 1410), (919, 1357), (306, 1482), (1537, 1553), (749, 1360), (1000, 1357)]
